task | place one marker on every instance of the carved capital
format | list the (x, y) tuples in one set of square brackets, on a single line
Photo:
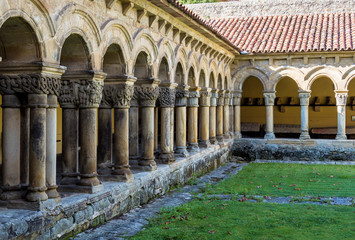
[(192, 101), (236, 99), (269, 98), (147, 95), (68, 93), (304, 98), (107, 92), (220, 101), (205, 99), (167, 97), (122, 95), (89, 93), (181, 97), (341, 98)]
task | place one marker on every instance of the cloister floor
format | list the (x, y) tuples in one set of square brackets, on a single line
[(262, 201)]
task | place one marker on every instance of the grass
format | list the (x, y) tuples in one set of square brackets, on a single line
[(244, 220), (280, 179)]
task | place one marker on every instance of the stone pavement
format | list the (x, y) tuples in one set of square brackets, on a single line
[(134, 221)]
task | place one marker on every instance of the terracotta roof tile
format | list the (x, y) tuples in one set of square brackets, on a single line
[(292, 33)]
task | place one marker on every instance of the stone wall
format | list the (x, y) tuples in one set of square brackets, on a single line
[(81, 211), (294, 150), (245, 8)]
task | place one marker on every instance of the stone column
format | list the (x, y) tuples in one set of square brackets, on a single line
[(156, 130), (148, 94), (51, 146), (192, 118), (182, 94), (341, 97), (37, 170), (70, 132), (11, 137), (304, 102), (204, 118), (219, 118), (269, 103), (167, 101), (231, 116), (89, 95), (121, 99), (134, 129), (212, 116), (226, 116), (104, 148), (236, 102), (25, 141)]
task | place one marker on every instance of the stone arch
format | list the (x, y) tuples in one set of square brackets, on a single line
[(193, 62), (164, 71), (219, 82), (113, 61), (348, 76), (240, 76), (115, 33), (202, 79), (181, 58), (203, 66), (323, 71), (293, 73), (19, 42), (180, 74), (212, 81), (141, 66), (213, 73), (145, 43), (191, 78), (225, 84), (166, 52)]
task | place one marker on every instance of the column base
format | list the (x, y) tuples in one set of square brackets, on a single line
[(166, 158), (220, 140), (12, 193), (237, 135), (269, 135), (81, 189), (213, 140), (204, 143), (52, 192), (33, 206), (104, 168), (69, 179), (341, 137), (133, 160), (226, 136), (193, 147), (305, 136), (118, 175), (89, 180), (181, 152), (36, 195), (146, 165)]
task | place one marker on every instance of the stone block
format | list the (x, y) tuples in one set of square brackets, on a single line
[(61, 227)]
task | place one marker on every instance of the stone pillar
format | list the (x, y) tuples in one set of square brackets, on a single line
[(269, 103), (11, 137), (341, 97), (70, 132), (167, 101), (219, 118), (51, 146), (156, 130), (204, 118), (121, 99), (182, 94), (231, 116), (25, 142), (304, 102), (89, 95), (134, 129), (148, 94), (37, 170), (192, 118), (212, 116), (236, 102), (226, 116), (104, 148)]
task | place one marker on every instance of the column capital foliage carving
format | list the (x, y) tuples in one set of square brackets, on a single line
[(167, 97), (117, 96), (304, 98), (205, 99), (182, 93), (83, 93), (30, 83), (341, 98), (269, 99), (147, 95), (220, 101)]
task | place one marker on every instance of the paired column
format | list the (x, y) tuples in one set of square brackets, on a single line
[(167, 102), (226, 116), (134, 153), (121, 98), (192, 118), (269, 103), (220, 122), (204, 118), (341, 97), (236, 102), (231, 115), (148, 94), (182, 94), (304, 102), (212, 116)]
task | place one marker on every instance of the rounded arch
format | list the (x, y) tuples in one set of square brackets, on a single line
[(225, 84), (295, 74), (193, 63), (323, 71), (18, 42), (142, 41), (141, 66), (203, 66), (164, 71), (180, 74), (165, 50), (240, 76), (113, 61), (213, 73), (191, 78), (212, 81), (202, 81), (348, 76), (219, 82)]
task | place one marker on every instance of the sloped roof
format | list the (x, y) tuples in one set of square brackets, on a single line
[(289, 33)]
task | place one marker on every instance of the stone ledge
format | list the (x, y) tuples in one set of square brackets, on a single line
[(78, 212)]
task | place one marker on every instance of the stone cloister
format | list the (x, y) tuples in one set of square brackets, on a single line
[(98, 92)]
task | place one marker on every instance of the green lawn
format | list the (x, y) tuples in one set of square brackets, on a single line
[(244, 220), (280, 179)]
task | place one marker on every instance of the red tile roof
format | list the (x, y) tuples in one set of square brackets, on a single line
[(293, 33)]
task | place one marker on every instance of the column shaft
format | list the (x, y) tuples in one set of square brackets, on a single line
[(219, 118), (226, 120), (147, 158), (181, 132), (304, 102), (104, 149), (156, 129), (269, 103), (213, 123), (341, 98), (25, 144), (166, 154), (204, 126), (237, 130), (133, 133)]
